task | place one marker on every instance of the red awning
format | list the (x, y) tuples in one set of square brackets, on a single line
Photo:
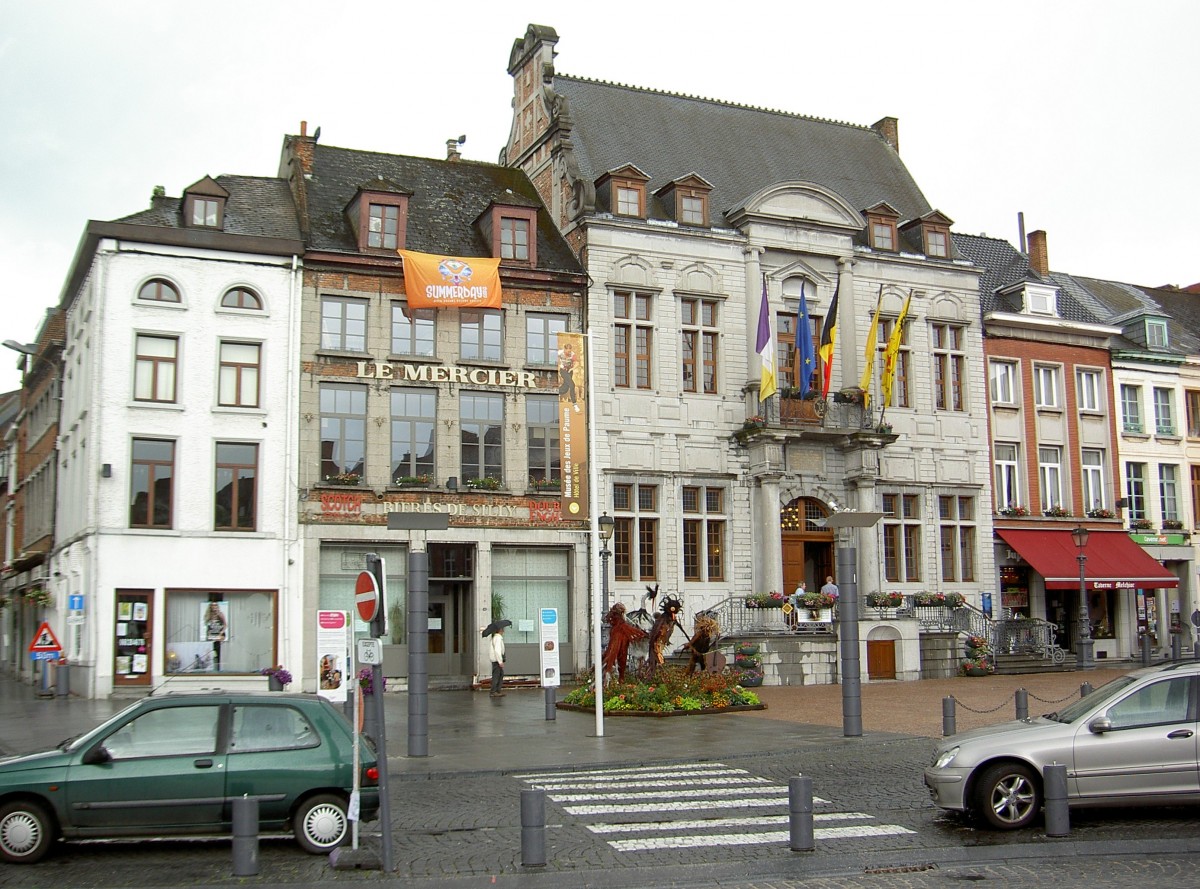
[(1114, 562)]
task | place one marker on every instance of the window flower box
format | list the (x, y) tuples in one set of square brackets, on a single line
[(1058, 512), (891, 599), (816, 599), (343, 478), (1172, 525), (765, 600), (1013, 509), (942, 600), (38, 596), (484, 483), (411, 481), (1140, 525), (1101, 513), (545, 484)]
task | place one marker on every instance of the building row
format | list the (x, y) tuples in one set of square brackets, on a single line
[(236, 391)]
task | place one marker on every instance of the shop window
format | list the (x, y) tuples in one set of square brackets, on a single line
[(225, 631)]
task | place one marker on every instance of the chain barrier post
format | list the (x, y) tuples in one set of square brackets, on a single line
[(1176, 647), (1085, 689), (800, 814), (245, 836), (948, 718), (1022, 697), (533, 828), (1058, 818)]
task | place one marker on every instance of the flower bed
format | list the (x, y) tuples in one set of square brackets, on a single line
[(672, 692)]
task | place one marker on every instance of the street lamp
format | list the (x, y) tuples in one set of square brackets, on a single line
[(607, 523), (1083, 645)]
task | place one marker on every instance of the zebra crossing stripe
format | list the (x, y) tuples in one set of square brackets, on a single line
[(760, 802), (633, 771), (749, 839), (653, 780), (717, 823), (675, 792)]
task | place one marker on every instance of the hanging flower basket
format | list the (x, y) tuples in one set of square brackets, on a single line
[(885, 600), (765, 600), (38, 596)]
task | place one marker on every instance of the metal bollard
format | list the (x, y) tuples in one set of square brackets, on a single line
[(1085, 689), (533, 828), (1176, 647), (948, 718), (1145, 649), (551, 703), (62, 679), (1058, 816), (1022, 697), (245, 836), (800, 814)]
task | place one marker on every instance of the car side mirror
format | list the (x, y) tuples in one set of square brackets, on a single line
[(1100, 725), (98, 755)]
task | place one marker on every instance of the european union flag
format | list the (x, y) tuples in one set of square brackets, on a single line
[(807, 358)]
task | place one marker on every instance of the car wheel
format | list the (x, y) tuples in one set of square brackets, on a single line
[(26, 832), (321, 824), (1007, 796)]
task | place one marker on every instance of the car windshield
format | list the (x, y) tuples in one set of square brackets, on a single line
[(79, 740), (1086, 704)]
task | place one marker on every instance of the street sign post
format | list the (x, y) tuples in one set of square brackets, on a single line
[(44, 646), (366, 595)]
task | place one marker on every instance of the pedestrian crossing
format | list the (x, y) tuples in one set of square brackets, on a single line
[(647, 808)]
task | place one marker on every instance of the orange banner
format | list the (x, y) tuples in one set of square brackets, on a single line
[(433, 281), (572, 425)]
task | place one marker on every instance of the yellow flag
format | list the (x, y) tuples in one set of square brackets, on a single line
[(891, 353), (869, 353)]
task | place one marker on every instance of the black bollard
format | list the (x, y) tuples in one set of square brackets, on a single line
[(1022, 697), (1176, 647), (1085, 689), (948, 718), (551, 703), (245, 836), (1058, 817), (1145, 649), (533, 828), (800, 814)]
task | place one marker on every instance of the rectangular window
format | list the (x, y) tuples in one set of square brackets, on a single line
[(901, 537), (343, 432), (541, 338), (956, 518), (691, 210), (1192, 403), (1045, 386), (883, 235), (1092, 472), (514, 239), (246, 619), (235, 504), (629, 201), (205, 212), (1135, 489), (383, 227), (1050, 477), (343, 324), (631, 340), (481, 435), (412, 331), (1003, 382), (541, 429), (700, 344), (479, 334), (414, 431), (703, 534), (239, 374), (1195, 496), (1008, 476), (1131, 409), (949, 366), (1156, 333), (1168, 491), (156, 368), (635, 534), (936, 245), (152, 474), (1164, 412), (901, 397), (1087, 391)]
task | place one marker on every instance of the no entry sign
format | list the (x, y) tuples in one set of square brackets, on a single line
[(366, 595)]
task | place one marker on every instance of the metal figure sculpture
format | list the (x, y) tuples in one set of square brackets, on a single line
[(621, 634)]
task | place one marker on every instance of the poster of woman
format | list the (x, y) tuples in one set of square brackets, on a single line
[(215, 622)]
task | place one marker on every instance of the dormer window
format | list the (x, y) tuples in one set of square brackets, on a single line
[(1156, 333), (204, 204), (934, 231), (624, 189), (881, 227), (510, 229), (686, 199), (937, 244), (378, 213), (514, 238), (1040, 300)]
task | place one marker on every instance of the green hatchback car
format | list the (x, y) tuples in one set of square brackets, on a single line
[(172, 765)]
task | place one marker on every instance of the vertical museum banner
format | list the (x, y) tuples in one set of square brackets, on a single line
[(572, 425)]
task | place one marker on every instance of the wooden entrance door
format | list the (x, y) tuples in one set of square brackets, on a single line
[(881, 658)]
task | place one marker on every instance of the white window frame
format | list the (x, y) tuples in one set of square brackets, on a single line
[(1045, 386), (1087, 390), (1008, 474), (1003, 382), (1168, 490), (1164, 411), (1131, 409), (1091, 470), (1050, 476)]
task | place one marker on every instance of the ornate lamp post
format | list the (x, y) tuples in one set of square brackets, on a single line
[(1083, 645), (606, 525)]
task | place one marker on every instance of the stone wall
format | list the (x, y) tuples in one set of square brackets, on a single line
[(941, 654)]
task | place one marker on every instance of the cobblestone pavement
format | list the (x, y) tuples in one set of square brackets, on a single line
[(456, 819)]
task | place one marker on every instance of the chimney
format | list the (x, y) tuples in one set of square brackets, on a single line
[(888, 129), (452, 152), (304, 147), (1039, 257)]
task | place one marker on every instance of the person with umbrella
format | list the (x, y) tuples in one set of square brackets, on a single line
[(496, 631)]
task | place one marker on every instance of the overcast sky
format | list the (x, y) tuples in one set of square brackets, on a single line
[(1081, 115)]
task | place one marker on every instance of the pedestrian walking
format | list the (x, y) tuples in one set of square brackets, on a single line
[(497, 653), (830, 589), (795, 600)]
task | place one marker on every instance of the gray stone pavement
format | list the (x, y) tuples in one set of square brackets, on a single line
[(456, 812)]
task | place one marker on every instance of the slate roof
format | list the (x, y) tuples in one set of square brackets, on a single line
[(1129, 303), (1184, 311), (258, 206), (446, 199), (738, 148)]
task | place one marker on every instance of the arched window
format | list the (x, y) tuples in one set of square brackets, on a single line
[(241, 298), (159, 290)]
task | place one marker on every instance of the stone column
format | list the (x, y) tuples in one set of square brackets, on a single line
[(767, 537)]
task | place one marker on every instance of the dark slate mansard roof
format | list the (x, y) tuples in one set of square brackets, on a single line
[(446, 198), (737, 148)]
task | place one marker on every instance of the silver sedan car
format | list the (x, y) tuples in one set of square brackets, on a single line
[(1133, 741)]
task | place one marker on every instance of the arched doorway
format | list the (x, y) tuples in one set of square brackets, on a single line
[(807, 548)]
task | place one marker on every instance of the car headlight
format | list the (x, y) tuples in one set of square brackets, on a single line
[(944, 758)]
